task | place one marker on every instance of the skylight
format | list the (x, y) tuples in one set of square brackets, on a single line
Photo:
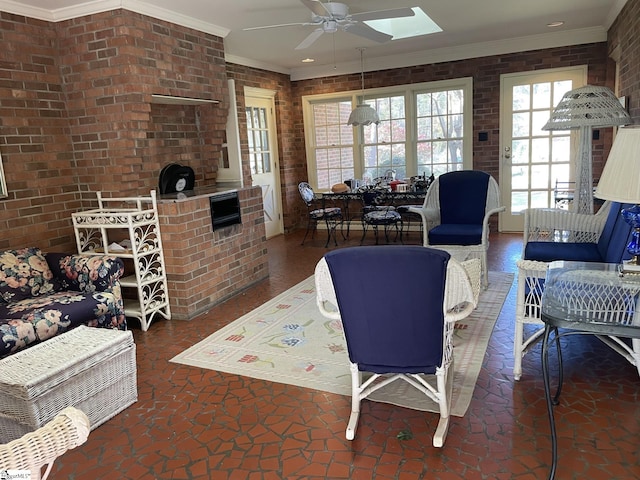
[(405, 27)]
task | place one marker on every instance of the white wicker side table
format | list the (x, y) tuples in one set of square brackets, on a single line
[(92, 369)]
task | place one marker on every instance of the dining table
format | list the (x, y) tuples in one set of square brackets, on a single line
[(351, 202)]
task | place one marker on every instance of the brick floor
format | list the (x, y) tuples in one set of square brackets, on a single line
[(191, 423)]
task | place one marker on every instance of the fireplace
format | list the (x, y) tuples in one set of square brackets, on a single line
[(225, 210)]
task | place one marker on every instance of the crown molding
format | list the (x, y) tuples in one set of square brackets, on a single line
[(99, 6), (252, 63), (450, 54)]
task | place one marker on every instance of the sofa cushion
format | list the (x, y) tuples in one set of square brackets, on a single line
[(570, 251), (24, 273)]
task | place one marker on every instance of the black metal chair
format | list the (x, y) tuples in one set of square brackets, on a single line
[(332, 216), (375, 215)]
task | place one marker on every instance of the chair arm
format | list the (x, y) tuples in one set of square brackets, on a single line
[(542, 224), (325, 293), (86, 273), (532, 268), (485, 222), (429, 214), (32, 451), (462, 288)]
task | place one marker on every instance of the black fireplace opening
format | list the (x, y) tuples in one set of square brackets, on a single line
[(225, 210)]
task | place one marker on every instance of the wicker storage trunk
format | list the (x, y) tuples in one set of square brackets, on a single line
[(93, 369)]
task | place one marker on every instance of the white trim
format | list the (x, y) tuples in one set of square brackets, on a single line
[(234, 172), (99, 6)]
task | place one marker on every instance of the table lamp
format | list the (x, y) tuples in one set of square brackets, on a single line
[(620, 182)]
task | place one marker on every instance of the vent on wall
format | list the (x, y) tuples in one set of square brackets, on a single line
[(225, 210)]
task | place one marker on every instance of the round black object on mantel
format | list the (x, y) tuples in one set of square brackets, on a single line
[(176, 178)]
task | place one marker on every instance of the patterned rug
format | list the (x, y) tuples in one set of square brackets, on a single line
[(286, 340)]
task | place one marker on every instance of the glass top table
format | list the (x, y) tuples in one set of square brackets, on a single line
[(587, 298)]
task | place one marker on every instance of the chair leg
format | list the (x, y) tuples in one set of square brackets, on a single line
[(441, 432), (308, 229), (444, 379), (331, 229), (355, 402)]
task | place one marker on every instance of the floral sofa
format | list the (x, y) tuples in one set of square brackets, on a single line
[(43, 295)]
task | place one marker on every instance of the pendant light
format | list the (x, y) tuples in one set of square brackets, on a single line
[(363, 114)]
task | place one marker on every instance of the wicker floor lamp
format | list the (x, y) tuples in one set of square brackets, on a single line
[(585, 108)]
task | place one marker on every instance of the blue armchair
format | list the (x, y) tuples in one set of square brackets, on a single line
[(404, 331), (456, 211)]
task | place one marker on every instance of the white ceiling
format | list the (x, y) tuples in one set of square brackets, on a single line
[(471, 28)]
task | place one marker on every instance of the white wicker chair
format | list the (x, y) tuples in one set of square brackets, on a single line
[(34, 450), (430, 214), (461, 292), (551, 225)]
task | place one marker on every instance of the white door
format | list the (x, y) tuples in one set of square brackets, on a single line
[(263, 156), (533, 160)]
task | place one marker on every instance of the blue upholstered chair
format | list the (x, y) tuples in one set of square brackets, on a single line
[(456, 211), (554, 234), (398, 305)]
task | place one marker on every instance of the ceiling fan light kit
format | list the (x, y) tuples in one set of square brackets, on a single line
[(329, 17)]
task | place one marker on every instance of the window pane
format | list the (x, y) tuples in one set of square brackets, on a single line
[(333, 140), (385, 145), (440, 131)]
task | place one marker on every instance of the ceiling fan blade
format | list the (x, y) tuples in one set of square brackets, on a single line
[(317, 7), (313, 36), (304, 24), (383, 14), (366, 31)]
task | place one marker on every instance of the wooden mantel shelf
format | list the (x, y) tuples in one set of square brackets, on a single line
[(171, 100)]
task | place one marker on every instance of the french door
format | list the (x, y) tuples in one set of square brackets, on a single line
[(263, 156), (532, 159)]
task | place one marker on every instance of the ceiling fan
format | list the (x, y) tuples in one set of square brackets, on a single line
[(330, 17)]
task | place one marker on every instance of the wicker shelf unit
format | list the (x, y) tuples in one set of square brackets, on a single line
[(134, 219)]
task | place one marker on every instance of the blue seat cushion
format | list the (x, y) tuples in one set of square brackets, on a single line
[(550, 251), (611, 246), (456, 234)]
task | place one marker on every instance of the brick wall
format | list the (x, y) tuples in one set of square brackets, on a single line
[(37, 151), (111, 63), (624, 36), (77, 116)]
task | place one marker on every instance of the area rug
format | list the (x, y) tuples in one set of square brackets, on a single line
[(287, 340)]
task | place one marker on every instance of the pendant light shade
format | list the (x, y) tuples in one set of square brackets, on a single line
[(363, 114)]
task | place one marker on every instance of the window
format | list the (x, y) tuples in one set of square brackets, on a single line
[(440, 129), (385, 144), (258, 134), (333, 143), (424, 129)]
